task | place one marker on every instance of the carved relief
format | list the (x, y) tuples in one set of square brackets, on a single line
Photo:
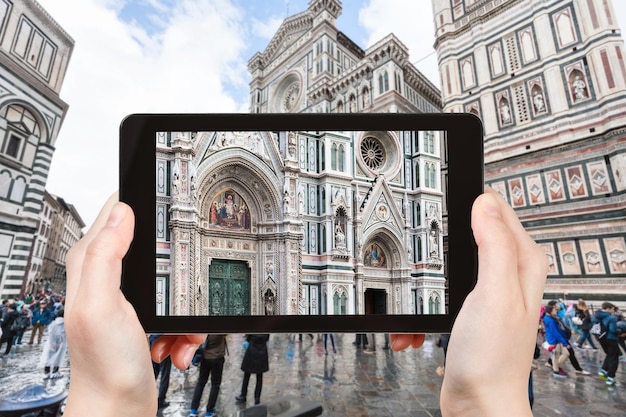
[(569, 258)]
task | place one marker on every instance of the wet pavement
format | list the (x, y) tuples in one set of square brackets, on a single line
[(353, 382)]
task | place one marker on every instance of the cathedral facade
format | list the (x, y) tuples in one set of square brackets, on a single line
[(548, 80), (308, 222), (299, 223)]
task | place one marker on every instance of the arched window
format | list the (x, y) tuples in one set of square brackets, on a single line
[(5, 184), (333, 157), (417, 175), (419, 248), (21, 125), (322, 157), (433, 183), (19, 186), (340, 157), (386, 78), (380, 84)]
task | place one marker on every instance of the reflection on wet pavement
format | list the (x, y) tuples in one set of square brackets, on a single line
[(353, 381)]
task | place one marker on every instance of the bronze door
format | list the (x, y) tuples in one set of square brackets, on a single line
[(229, 288)]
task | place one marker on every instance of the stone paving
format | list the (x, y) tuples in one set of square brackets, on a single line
[(353, 382)]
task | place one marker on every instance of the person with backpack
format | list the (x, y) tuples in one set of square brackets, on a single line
[(212, 363), (9, 328), (605, 330), (42, 316), (24, 319), (584, 315)]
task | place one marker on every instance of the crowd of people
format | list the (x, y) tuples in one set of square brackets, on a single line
[(576, 326), (43, 313)]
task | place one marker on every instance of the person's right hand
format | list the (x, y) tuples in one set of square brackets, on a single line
[(493, 338)]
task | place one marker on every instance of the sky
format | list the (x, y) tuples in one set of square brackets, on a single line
[(180, 56)]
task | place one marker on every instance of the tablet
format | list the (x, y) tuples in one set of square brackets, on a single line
[(274, 223)]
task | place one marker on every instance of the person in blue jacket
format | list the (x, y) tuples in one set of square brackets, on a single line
[(609, 343), (556, 340), (42, 316)]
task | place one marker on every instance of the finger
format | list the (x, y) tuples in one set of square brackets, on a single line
[(497, 250), (101, 272), (76, 253), (532, 262), (183, 350), (161, 348), (418, 340), (400, 342)]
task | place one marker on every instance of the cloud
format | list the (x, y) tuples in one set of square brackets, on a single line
[(118, 68), (412, 22), (266, 28)]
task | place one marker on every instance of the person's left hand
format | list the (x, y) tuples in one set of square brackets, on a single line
[(111, 373), (180, 348)]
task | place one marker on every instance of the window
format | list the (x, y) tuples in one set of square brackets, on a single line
[(333, 157), (340, 157), (13, 146), (21, 124)]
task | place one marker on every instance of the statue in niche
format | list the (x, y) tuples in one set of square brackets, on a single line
[(580, 88), (505, 112), (340, 237), (538, 102), (192, 187), (291, 143), (433, 240), (269, 305), (286, 202)]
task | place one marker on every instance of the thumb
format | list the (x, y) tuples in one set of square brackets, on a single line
[(102, 264)]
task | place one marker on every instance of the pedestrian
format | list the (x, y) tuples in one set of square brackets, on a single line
[(371, 345), (360, 340), (311, 337), (442, 342), (606, 317), (96, 380), (584, 315), (42, 316), (567, 334), (9, 322), (24, 318), (332, 342), (55, 347), (163, 369), (255, 361), (212, 363), (556, 342)]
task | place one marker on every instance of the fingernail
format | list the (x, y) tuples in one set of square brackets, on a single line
[(190, 351), (491, 206), (116, 215)]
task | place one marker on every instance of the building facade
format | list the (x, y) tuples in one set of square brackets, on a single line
[(548, 80), (34, 55), (60, 227), (307, 222)]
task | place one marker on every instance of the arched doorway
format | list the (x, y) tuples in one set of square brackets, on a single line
[(229, 288)]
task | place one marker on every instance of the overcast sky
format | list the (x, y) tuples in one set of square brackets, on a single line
[(178, 56)]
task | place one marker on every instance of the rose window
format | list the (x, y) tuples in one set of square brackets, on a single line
[(373, 153)]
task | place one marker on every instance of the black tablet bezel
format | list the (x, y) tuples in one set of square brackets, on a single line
[(138, 189)]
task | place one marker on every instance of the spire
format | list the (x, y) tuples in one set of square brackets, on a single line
[(326, 9)]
